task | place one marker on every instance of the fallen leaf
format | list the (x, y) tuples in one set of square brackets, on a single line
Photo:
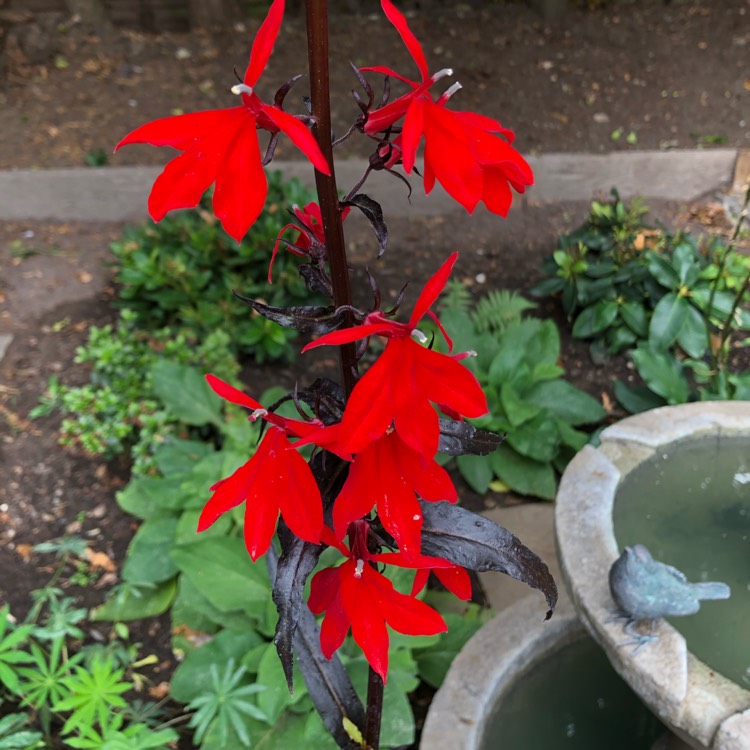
[(85, 277), (100, 560), (159, 691), (24, 551), (607, 402)]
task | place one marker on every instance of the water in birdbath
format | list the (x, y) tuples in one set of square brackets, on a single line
[(690, 505), (571, 699)]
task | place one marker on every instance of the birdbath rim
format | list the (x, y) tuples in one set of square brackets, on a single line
[(704, 708)]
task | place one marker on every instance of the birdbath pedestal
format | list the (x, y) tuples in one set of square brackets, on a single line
[(702, 707)]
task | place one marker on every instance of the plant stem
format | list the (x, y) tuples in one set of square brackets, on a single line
[(317, 53), (374, 712)]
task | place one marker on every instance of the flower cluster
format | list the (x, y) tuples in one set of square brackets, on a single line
[(389, 432)]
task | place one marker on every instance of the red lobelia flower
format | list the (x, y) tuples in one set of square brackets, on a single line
[(468, 154), (354, 595), (310, 239), (388, 473), (276, 479), (399, 388), (222, 146)]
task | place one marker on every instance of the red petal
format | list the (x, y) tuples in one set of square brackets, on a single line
[(403, 613), (264, 41), (415, 48), (456, 579), (420, 581), (432, 290), (448, 152), (334, 629), (298, 494), (497, 195), (366, 615), (386, 71), (261, 515), (230, 393), (412, 134), (347, 335), (444, 380), (181, 131), (181, 184), (228, 493), (360, 491), (369, 411), (241, 186), (324, 588), (429, 480), (302, 138)]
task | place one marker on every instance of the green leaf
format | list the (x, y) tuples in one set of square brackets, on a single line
[(596, 318), (523, 474), (476, 470), (146, 497), (185, 394), (180, 456), (538, 438), (663, 374), (135, 603), (148, 560), (661, 269), (222, 571), (517, 410), (635, 317), (567, 402), (667, 320), (638, 399), (192, 676), (693, 338), (276, 697)]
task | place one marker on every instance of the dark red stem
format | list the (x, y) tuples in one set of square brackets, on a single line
[(317, 54)]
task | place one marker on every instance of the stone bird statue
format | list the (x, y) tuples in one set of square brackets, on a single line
[(646, 589)]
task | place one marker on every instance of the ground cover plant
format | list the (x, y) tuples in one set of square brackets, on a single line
[(181, 272), (119, 410), (60, 692), (673, 301), (528, 400), (370, 497)]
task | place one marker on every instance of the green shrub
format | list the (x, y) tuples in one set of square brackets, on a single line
[(517, 366), (181, 273), (671, 299), (118, 411)]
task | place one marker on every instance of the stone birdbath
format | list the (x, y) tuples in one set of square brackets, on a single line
[(702, 706)]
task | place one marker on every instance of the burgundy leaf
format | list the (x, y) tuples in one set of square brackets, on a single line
[(473, 541), (374, 213), (459, 438), (305, 318)]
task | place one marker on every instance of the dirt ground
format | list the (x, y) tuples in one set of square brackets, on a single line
[(673, 74)]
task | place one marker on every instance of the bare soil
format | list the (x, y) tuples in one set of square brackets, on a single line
[(673, 74)]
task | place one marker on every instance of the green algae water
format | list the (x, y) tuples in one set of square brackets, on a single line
[(690, 505), (571, 699)]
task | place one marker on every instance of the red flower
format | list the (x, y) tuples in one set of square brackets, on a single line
[(470, 155), (388, 473), (406, 377), (222, 146), (275, 479), (354, 595), (464, 154), (310, 239)]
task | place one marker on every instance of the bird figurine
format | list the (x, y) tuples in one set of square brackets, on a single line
[(646, 589)]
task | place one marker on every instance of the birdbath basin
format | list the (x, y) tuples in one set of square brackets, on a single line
[(676, 480)]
